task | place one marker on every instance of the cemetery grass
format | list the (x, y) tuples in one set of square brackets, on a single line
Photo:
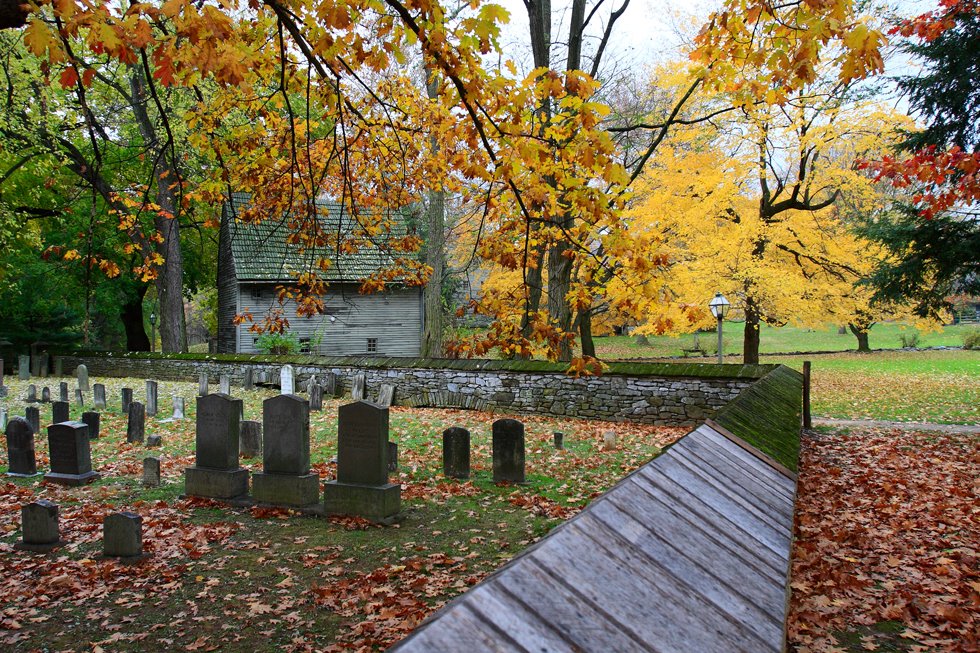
[(252, 579)]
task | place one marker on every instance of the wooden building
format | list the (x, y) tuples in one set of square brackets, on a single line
[(253, 260)]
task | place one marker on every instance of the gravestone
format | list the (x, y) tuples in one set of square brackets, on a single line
[(456, 452), (559, 439), (287, 384), (126, 398), (249, 381), (71, 457), (33, 416), (60, 412), (39, 522), (310, 383), (122, 535), (98, 395), (609, 440), (93, 420), (154, 441), (152, 405), (136, 423), (251, 439), (508, 451), (316, 397), (217, 473), (263, 376), (79, 397), (285, 479), (63, 391), (81, 373), (392, 456), (43, 364), (224, 383), (21, 460), (45, 395), (202, 384), (362, 486), (1, 375), (31, 394), (151, 471), (329, 385), (59, 367), (178, 407), (3, 418), (23, 367), (386, 395), (35, 366), (357, 387)]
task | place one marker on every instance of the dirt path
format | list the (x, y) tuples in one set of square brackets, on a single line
[(907, 426)]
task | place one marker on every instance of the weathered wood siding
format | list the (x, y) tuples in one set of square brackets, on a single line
[(392, 319)]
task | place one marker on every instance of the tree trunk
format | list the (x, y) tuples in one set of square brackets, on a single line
[(559, 283), (131, 316), (750, 345), (585, 332), (435, 256), (862, 337)]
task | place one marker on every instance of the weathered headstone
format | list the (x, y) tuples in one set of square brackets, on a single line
[(98, 395), (508, 451), (122, 535), (392, 456), (251, 439), (79, 397), (316, 397), (31, 394), (362, 486), (263, 376), (287, 383), (23, 367), (71, 457), (3, 418), (45, 395), (249, 381), (33, 416), (310, 382), (136, 422), (456, 452), (125, 399), (224, 383), (386, 395), (329, 385), (63, 391), (81, 373), (357, 388), (285, 479), (21, 460), (43, 363), (93, 420), (151, 471), (59, 367), (39, 522), (152, 405), (178, 407), (60, 412), (559, 439), (202, 384), (609, 440), (154, 441), (217, 473)]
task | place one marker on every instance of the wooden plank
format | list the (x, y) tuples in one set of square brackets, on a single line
[(755, 451), (457, 629), (735, 453)]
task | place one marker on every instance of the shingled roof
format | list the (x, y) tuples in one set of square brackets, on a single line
[(261, 253)]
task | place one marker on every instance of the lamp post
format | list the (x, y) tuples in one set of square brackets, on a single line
[(719, 307), (153, 329)]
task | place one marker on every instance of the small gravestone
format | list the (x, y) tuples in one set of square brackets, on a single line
[(559, 439), (609, 440), (60, 411), (125, 399), (362, 486), (59, 367), (224, 383), (71, 457), (217, 473), (152, 405), (79, 397), (42, 366), (329, 385), (31, 394), (285, 479), (39, 522), (93, 420), (316, 397), (21, 460), (45, 395), (122, 535), (357, 387), (81, 373), (151, 471), (3, 418), (287, 384), (202, 384), (251, 439), (154, 441), (456, 452), (392, 456), (310, 383), (136, 423), (23, 367), (263, 376), (386, 395), (178, 407), (98, 395), (508, 451), (249, 381), (33, 416), (63, 391)]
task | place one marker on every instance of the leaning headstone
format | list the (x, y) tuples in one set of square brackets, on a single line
[(46, 395), (559, 439), (81, 373), (250, 444), (31, 394), (357, 387), (92, 419), (316, 397), (362, 486), (456, 452), (98, 395), (329, 385), (287, 383), (249, 381), (33, 416), (21, 460), (154, 441), (79, 397), (392, 456), (126, 398), (63, 391), (71, 456), (609, 440), (23, 367), (136, 423), (508, 451), (39, 522), (43, 363), (178, 408), (122, 535), (217, 473), (151, 398), (224, 383), (60, 412), (285, 479), (386, 395), (202, 384), (151, 471)]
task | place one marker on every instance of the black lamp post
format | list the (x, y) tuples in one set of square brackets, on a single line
[(719, 307), (153, 329)]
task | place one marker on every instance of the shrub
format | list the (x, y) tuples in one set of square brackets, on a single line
[(277, 343), (971, 339), (909, 339)]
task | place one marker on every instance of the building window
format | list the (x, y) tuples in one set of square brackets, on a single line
[(304, 345), (255, 292), (372, 345)]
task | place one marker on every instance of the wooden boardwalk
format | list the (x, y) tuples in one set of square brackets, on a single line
[(689, 553)]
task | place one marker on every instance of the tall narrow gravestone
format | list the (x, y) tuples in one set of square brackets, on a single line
[(125, 399), (386, 395), (136, 423), (59, 412), (202, 384), (93, 420), (287, 383), (456, 452), (43, 365), (178, 407), (71, 457), (217, 473), (151, 471), (357, 388), (63, 391), (59, 367), (23, 367), (224, 384), (31, 394), (329, 385), (33, 416), (36, 366), (98, 395), (81, 373), (39, 521), (316, 397), (362, 486), (152, 405), (508, 451), (45, 395), (249, 382), (20, 448), (285, 479)]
